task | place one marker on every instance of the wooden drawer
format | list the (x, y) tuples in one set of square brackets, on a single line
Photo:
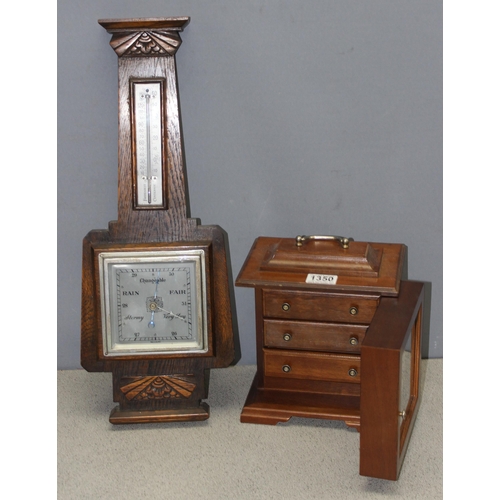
[(311, 366), (313, 306), (312, 336)]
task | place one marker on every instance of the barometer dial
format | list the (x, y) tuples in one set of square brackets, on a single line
[(153, 302)]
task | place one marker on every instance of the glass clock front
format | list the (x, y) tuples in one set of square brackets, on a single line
[(153, 302)]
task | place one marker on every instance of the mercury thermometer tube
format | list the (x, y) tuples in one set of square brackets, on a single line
[(148, 143)]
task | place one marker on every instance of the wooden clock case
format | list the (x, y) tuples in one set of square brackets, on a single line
[(347, 351), (168, 386)]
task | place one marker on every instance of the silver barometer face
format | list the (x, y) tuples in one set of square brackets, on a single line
[(153, 302)]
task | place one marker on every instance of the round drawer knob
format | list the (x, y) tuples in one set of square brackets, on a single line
[(287, 337), (352, 372), (353, 310), (285, 306), (353, 341), (286, 368)]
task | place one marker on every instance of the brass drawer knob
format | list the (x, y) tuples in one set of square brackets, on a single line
[(287, 337), (353, 341), (353, 310), (285, 306), (353, 372), (287, 368)]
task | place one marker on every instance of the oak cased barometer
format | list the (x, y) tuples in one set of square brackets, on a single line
[(156, 302)]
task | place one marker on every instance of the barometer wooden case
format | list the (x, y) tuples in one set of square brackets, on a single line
[(338, 334), (156, 305)]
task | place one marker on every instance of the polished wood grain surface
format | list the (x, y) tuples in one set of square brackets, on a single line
[(307, 305), (258, 269), (333, 351), (314, 336), (385, 431)]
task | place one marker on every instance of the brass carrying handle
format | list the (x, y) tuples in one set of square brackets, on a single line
[(341, 239)]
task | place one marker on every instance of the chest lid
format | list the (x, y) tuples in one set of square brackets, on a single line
[(328, 263)]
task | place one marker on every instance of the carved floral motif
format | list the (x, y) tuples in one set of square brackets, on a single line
[(158, 387), (146, 43)]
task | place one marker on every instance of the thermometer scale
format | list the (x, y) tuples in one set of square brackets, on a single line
[(148, 143)]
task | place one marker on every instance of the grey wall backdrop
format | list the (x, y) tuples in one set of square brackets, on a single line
[(317, 117)]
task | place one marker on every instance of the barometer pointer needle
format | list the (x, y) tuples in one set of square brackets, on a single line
[(151, 323)]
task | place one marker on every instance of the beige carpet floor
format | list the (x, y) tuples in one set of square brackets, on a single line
[(222, 458)]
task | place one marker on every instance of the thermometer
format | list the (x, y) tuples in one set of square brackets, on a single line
[(148, 143)]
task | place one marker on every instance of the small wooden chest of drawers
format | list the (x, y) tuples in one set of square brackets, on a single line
[(338, 334), (325, 327)]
